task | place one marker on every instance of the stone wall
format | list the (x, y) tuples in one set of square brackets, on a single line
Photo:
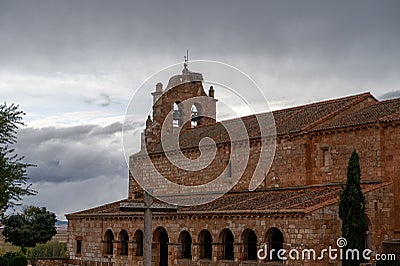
[(391, 159), (53, 262), (339, 145), (299, 161), (317, 229)]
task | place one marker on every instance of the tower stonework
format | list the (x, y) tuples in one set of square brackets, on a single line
[(182, 105)]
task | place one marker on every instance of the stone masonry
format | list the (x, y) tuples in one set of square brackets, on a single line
[(296, 205)]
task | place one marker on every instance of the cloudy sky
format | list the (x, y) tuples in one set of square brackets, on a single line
[(72, 66)]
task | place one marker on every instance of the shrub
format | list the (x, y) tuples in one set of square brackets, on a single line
[(52, 249), (4, 261), (19, 260), (13, 259)]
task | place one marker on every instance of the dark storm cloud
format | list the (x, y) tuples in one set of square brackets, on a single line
[(72, 32), (303, 50), (73, 153)]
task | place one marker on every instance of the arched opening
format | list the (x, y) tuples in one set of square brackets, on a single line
[(205, 244), (249, 239), (108, 240), (160, 247), (123, 239), (227, 239), (177, 115), (275, 242), (185, 241), (138, 243), (195, 115)]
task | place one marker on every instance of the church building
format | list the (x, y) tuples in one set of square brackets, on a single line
[(296, 200)]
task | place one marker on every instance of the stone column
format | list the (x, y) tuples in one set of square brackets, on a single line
[(148, 234)]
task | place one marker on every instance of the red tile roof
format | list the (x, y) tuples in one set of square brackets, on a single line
[(284, 199), (279, 200), (384, 111), (287, 121), (301, 118)]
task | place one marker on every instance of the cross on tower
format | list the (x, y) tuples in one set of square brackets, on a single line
[(186, 57)]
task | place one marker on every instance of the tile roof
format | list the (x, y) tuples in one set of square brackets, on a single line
[(112, 207), (300, 118), (287, 121), (285, 199), (279, 200), (384, 111)]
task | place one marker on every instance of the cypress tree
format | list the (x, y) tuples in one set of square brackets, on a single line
[(352, 211)]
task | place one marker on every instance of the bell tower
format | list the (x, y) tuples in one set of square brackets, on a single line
[(182, 105)]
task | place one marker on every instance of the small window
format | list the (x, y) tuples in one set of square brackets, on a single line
[(78, 246), (229, 169), (325, 157)]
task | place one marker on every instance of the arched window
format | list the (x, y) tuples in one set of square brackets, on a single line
[(177, 114), (249, 239), (205, 242), (185, 241), (109, 239), (275, 241), (138, 243), (123, 238), (227, 239)]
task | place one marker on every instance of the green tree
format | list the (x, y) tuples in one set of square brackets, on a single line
[(352, 211), (35, 225), (13, 178)]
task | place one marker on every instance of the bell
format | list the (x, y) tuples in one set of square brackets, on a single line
[(196, 117)]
